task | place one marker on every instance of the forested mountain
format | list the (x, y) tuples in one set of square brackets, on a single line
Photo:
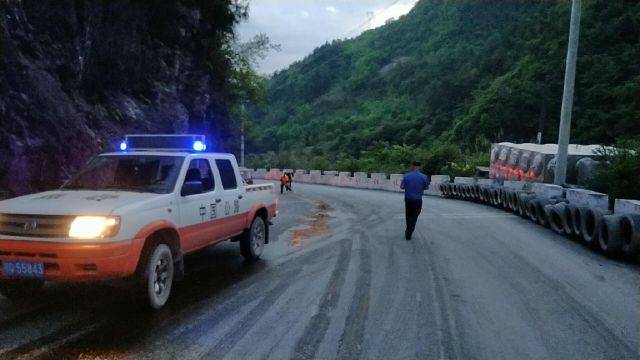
[(463, 72)]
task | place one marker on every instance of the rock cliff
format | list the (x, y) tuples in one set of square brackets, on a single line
[(76, 75)]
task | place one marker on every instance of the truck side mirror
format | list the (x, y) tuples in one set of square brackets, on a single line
[(191, 188)]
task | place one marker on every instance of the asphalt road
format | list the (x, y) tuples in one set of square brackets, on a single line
[(340, 281)]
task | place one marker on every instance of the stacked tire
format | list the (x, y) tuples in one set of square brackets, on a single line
[(613, 234)]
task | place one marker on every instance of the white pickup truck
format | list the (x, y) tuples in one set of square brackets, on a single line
[(133, 215)]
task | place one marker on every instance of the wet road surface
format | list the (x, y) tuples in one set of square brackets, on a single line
[(340, 281)]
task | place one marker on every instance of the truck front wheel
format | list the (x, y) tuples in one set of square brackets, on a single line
[(158, 277), (253, 239)]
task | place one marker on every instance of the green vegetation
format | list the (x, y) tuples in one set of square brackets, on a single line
[(619, 172), (438, 158), (443, 82)]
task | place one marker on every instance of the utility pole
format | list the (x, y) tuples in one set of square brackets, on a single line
[(242, 137), (564, 133)]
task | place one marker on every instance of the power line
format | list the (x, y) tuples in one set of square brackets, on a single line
[(366, 23), (370, 19)]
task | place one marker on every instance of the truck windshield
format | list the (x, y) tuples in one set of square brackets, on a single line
[(140, 173)]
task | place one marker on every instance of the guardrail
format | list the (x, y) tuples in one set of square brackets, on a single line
[(360, 180)]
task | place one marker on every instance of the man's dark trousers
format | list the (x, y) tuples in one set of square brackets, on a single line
[(412, 210)]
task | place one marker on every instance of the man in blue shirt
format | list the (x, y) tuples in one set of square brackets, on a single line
[(414, 184)]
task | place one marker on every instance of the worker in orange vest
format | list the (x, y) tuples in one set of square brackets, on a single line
[(284, 180)]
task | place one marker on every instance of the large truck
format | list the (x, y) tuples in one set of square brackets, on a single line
[(133, 215), (535, 162)]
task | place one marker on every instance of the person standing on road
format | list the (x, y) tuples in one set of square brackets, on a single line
[(414, 183), (290, 175), (284, 180)]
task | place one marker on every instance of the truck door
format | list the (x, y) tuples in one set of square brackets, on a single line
[(196, 205), (231, 195)]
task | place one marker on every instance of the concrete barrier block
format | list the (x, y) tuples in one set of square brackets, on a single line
[(547, 190), (394, 182), (464, 180), (383, 184), (273, 174), (439, 179), (315, 177), (436, 180), (344, 174), (287, 170), (360, 182), (300, 172), (360, 174), (515, 185), (330, 172), (259, 174), (335, 181), (487, 182), (627, 206), (326, 179), (343, 180), (377, 181), (588, 197)]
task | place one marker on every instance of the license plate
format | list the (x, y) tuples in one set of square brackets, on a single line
[(22, 269)]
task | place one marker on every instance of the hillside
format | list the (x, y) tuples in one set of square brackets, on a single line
[(462, 73), (77, 75)]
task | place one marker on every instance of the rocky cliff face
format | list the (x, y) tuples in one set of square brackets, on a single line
[(77, 75)]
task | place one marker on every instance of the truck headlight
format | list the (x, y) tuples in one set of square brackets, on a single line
[(94, 227)]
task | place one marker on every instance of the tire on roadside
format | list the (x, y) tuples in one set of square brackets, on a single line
[(555, 217), (577, 214), (443, 189), (630, 227), (567, 219), (515, 200), (486, 195), (541, 215), (447, 190), (504, 198), (472, 192), (512, 200), (510, 196), (462, 189), (523, 201), (468, 191), (610, 237), (253, 239), (532, 213), (590, 225)]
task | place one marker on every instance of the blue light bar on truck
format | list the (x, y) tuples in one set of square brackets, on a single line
[(163, 143)]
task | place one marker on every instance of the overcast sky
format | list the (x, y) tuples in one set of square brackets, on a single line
[(299, 26)]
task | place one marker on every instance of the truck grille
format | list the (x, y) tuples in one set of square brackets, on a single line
[(35, 225)]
